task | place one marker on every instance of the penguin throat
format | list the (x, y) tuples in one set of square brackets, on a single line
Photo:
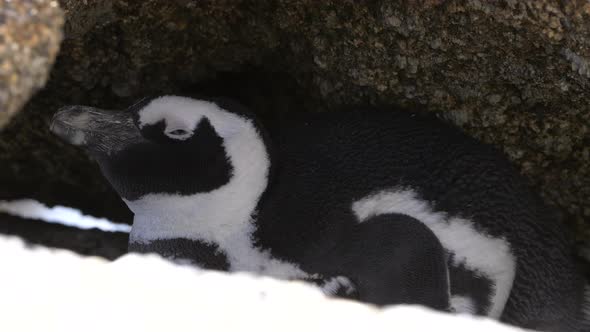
[(218, 216)]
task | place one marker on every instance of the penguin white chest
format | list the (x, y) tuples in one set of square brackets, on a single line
[(199, 218)]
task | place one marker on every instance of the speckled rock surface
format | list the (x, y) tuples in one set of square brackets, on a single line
[(514, 73), (30, 33)]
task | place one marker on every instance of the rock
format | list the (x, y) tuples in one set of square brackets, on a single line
[(30, 34), (92, 242), (511, 73), (64, 291)]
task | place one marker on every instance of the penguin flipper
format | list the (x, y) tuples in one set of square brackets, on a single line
[(394, 259)]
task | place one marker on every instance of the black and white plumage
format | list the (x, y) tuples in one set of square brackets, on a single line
[(387, 207)]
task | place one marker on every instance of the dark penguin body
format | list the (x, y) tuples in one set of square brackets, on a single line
[(368, 152), (387, 207)]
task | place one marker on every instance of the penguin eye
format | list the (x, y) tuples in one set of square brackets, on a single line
[(178, 132)]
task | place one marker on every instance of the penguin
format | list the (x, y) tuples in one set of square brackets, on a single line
[(381, 206)]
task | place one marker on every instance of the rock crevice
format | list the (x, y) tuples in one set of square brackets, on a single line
[(511, 73)]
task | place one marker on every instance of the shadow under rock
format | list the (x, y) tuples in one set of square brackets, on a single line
[(89, 242)]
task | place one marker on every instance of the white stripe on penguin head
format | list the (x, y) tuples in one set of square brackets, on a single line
[(182, 113), (223, 216)]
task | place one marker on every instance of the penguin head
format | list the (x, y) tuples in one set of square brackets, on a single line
[(165, 145)]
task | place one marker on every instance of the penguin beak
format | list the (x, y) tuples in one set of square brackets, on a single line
[(70, 124), (91, 127)]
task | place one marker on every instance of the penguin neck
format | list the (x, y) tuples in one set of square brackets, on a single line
[(223, 217)]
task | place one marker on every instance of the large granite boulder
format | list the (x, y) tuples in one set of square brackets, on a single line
[(513, 73), (50, 291), (30, 33)]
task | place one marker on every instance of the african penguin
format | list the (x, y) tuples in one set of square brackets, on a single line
[(382, 206)]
